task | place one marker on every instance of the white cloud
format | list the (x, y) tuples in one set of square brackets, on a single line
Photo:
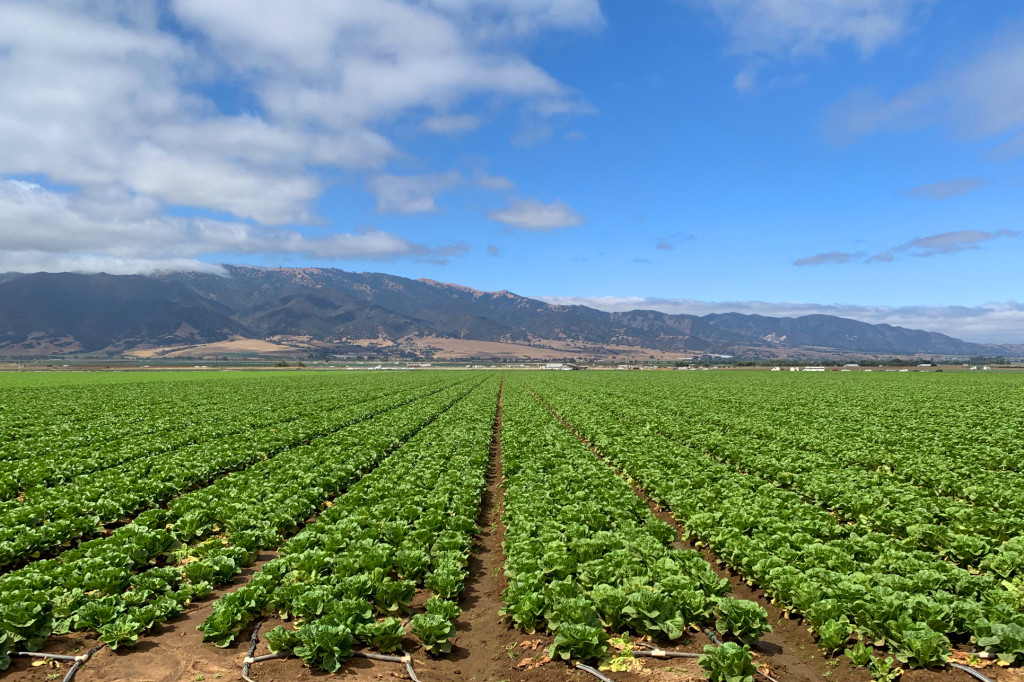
[(982, 99), (532, 214), (986, 323), (945, 243), (745, 79), (338, 64), (945, 189), (411, 193), (823, 258), (41, 226), (800, 27), (766, 32), (941, 244), (38, 261), (253, 110), (496, 183), (451, 125)]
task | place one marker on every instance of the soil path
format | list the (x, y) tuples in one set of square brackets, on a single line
[(479, 650)]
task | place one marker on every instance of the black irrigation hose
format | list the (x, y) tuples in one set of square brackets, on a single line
[(970, 671), (81, 661), (78, 661), (252, 649), (594, 672)]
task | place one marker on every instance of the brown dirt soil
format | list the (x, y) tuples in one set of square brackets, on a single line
[(238, 345)]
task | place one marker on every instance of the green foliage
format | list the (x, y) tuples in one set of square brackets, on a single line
[(921, 647), (884, 670), (727, 662), (324, 646), (281, 639), (442, 607), (1006, 640), (578, 640), (744, 620), (5, 644), (834, 634), (121, 632), (385, 635), (434, 632), (859, 654)]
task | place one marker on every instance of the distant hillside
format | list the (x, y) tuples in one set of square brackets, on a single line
[(334, 310)]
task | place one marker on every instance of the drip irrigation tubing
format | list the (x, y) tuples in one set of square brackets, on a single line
[(78, 664), (970, 671), (654, 652), (78, 661), (594, 672), (250, 659), (254, 640), (55, 657)]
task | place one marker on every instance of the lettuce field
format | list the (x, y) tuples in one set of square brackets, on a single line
[(515, 525)]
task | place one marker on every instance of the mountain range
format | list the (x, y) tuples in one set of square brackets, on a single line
[(329, 311)]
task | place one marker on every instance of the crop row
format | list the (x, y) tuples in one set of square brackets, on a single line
[(586, 557), (56, 516), (351, 576), (839, 579), (206, 422), (148, 571), (959, 436), (970, 535), (87, 411)]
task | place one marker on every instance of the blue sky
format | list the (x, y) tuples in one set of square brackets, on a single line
[(854, 157)]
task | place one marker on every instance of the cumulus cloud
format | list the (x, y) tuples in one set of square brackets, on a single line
[(941, 244), (664, 245), (254, 108), (945, 189), (986, 323), (411, 193), (533, 214), (493, 251), (47, 230), (980, 100), (341, 63), (823, 258)]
